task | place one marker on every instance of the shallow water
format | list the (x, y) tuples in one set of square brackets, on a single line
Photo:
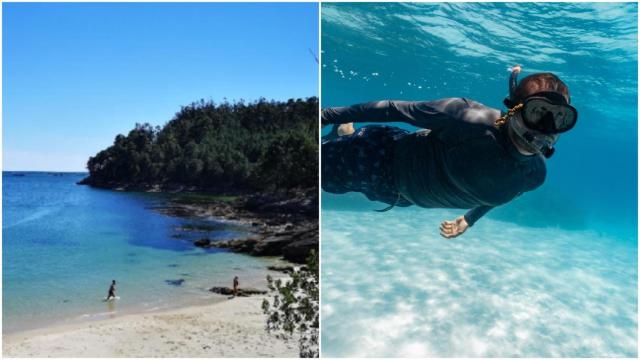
[(64, 243), (551, 273)]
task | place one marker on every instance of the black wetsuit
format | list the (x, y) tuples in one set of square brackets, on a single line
[(461, 160)]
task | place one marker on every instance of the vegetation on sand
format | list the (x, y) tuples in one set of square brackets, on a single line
[(294, 308)]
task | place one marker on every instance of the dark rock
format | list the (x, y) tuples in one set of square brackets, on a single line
[(203, 243), (245, 245), (274, 222), (298, 242), (285, 269), (299, 251), (223, 290), (172, 265), (272, 245), (177, 211), (306, 204), (198, 228), (177, 282)]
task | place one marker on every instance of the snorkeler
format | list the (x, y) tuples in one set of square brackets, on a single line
[(466, 156)]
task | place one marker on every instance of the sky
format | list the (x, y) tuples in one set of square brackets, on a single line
[(76, 75)]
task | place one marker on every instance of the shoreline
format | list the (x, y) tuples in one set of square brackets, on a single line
[(279, 224), (277, 269), (230, 327)]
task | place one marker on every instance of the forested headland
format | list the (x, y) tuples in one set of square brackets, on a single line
[(230, 146)]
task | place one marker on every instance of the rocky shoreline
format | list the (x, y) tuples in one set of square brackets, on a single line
[(280, 223)]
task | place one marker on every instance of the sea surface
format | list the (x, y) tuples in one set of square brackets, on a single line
[(553, 273), (63, 244)]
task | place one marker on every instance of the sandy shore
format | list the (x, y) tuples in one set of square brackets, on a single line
[(231, 328)]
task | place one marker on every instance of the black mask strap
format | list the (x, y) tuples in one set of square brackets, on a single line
[(513, 84), (508, 103)]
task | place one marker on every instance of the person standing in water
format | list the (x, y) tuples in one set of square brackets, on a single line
[(466, 156), (236, 283), (112, 290)]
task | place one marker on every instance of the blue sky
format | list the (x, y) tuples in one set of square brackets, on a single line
[(76, 75)]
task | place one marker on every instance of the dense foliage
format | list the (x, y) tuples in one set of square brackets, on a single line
[(294, 309), (258, 145)]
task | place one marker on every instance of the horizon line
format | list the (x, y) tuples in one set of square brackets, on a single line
[(45, 171)]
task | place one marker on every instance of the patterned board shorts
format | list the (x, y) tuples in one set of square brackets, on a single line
[(362, 162)]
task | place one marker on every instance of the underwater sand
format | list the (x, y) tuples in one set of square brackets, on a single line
[(399, 289)]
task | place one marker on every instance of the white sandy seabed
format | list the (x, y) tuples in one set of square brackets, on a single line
[(391, 286), (231, 328)]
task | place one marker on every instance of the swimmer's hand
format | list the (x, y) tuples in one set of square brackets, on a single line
[(346, 129), (517, 69), (451, 229)]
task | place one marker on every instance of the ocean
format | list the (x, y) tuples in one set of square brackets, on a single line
[(64, 243), (554, 272)]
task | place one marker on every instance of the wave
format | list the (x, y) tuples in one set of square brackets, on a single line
[(33, 216)]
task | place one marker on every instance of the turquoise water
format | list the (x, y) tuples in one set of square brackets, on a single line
[(553, 273), (64, 243)]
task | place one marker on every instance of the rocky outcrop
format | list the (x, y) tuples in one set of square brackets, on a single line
[(223, 290), (203, 243), (284, 224), (302, 203), (285, 269), (298, 251), (294, 245)]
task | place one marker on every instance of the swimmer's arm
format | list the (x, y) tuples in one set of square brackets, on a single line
[(457, 227), (476, 213), (424, 114)]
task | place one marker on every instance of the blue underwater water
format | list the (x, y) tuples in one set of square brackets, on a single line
[(554, 272), (63, 244)]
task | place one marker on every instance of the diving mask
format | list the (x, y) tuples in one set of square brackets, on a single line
[(549, 113)]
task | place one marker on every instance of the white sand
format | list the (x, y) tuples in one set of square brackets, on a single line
[(231, 328)]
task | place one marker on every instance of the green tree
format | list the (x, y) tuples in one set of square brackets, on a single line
[(264, 145)]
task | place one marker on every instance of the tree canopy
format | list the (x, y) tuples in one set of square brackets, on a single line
[(262, 145)]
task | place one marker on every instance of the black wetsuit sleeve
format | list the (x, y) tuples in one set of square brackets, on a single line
[(424, 114), (476, 213)]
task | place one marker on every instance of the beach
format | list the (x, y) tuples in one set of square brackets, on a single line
[(230, 328)]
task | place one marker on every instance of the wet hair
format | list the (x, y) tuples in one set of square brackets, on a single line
[(539, 82)]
